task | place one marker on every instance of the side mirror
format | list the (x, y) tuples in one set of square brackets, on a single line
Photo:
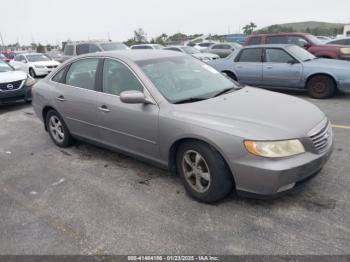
[(23, 61), (134, 97), (292, 62), (307, 45)]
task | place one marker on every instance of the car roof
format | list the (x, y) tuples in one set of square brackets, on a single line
[(136, 55), (278, 34), (268, 46)]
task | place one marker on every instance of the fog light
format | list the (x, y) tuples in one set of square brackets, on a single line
[(286, 187)]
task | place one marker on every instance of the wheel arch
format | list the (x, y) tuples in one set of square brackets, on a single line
[(230, 74), (176, 144), (44, 112), (309, 77)]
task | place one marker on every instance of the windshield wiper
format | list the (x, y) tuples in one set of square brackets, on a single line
[(190, 100), (226, 90)]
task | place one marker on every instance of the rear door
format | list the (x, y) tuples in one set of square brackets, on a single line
[(280, 69), (248, 66), (75, 98)]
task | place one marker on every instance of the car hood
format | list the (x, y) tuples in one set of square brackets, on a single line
[(203, 55), (46, 63), (253, 113), (329, 63), (12, 76)]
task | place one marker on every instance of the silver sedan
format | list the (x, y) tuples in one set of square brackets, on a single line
[(181, 114)]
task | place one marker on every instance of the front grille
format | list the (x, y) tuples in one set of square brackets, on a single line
[(50, 67), (322, 138), (11, 85)]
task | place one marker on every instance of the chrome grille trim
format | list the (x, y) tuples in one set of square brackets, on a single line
[(322, 138)]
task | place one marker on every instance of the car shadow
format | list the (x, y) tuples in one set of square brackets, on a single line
[(13, 106)]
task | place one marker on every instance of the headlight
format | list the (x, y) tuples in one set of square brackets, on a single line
[(273, 149), (39, 66), (345, 50), (29, 81)]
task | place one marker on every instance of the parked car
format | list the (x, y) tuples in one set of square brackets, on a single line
[(3, 58), (205, 57), (223, 49), (339, 41), (307, 41), (286, 66), (9, 56), (147, 46), (324, 38), (34, 64), (54, 55), (72, 49), (14, 85), (179, 113), (203, 45)]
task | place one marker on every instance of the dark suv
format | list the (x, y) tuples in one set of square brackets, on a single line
[(307, 41), (78, 48)]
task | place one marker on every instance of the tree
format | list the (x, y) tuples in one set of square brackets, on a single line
[(140, 36), (249, 28)]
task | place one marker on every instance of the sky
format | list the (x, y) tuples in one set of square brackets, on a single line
[(53, 21)]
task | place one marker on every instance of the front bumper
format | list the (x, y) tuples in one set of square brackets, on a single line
[(266, 177), (22, 94)]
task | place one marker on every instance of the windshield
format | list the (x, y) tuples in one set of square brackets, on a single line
[(113, 46), (190, 50), (37, 58), (315, 40), (4, 67), (181, 78), (301, 53)]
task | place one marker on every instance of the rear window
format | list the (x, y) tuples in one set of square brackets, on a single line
[(83, 49), (250, 55), (142, 47), (255, 40)]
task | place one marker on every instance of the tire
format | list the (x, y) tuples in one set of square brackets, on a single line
[(208, 181), (58, 130), (32, 72), (230, 75), (321, 87)]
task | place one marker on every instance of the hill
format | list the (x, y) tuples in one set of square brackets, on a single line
[(317, 28)]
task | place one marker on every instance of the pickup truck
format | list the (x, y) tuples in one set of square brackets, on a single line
[(307, 41)]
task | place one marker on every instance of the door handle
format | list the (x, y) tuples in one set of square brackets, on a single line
[(104, 109), (269, 67), (61, 98)]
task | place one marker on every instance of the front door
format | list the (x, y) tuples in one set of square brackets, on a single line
[(280, 69), (128, 127)]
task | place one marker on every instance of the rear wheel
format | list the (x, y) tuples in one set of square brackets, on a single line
[(204, 173), (321, 87), (58, 130)]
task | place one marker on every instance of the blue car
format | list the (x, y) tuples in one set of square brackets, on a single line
[(286, 66)]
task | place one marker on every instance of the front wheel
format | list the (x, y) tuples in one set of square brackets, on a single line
[(204, 173), (32, 72), (58, 130), (321, 87)]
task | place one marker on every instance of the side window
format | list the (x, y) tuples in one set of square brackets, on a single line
[(82, 73), (59, 76), (340, 42), (118, 78), (276, 40), (216, 47), (69, 50), (94, 48), (226, 47), (277, 56), (251, 55), (82, 49), (255, 40), (297, 40)]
